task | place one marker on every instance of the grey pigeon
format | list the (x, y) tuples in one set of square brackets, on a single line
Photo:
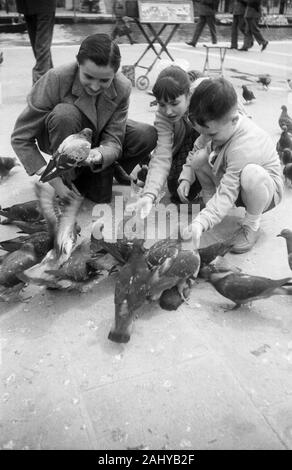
[(285, 121), (6, 164), (247, 94), (71, 153), (265, 80), (243, 288)]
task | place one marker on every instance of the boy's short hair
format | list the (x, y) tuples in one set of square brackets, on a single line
[(100, 49), (212, 100), (171, 83)]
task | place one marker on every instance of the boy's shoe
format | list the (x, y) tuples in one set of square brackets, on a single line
[(245, 240)]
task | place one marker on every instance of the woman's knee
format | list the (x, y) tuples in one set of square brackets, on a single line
[(140, 136), (65, 115)]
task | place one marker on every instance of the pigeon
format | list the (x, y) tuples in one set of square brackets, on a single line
[(37, 239), (77, 273), (131, 292), (171, 299), (247, 94), (243, 288), (285, 121), (287, 234), (6, 164), (286, 156), (61, 229), (285, 142), (14, 263), (25, 211), (174, 268), (210, 252), (287, 172), (120, 249), (30, 227), (265, 80), (71, 153)]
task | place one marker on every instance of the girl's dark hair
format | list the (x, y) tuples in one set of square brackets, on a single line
[(172, 82), (101, 49), (211, 100)]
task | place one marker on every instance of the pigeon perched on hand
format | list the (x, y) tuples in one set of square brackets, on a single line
[(243, 288), (285, 121), (247, 94), (265, 80), (71, 153), (26, 211), (6, 164), (287, 234)]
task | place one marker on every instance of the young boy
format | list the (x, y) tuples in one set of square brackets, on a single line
[(235, 161)]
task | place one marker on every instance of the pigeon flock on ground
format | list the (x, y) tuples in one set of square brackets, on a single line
[(51, 252)]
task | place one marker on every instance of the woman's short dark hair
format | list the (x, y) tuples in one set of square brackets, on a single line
[(172, 82), (100, 49), (211, 100)]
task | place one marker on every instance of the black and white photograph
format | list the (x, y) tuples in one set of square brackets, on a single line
[(146, 229)]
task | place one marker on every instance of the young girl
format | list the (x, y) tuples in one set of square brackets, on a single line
[(176, 136)]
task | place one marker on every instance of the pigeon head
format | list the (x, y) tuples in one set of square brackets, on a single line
[(86, 133), (284, 108), (285, 233)]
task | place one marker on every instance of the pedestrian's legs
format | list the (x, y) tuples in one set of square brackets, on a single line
[(248, 38), (31, 23), (212, 27), (256, 31), (198, 30), (140, 140), (234, 31), (42, 46)]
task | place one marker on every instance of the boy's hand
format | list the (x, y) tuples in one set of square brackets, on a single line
[(61, 189), (194, 231), (143, 206), (183, 190)]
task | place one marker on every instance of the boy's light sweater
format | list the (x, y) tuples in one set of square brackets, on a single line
[(248, 144)]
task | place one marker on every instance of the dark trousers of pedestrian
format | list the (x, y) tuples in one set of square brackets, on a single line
[(66, 119), (203, 20), (238, 24), (40, 30), (253, 32), (178, 160)]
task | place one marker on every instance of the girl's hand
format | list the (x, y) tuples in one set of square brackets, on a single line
[(142, 206), (193, 231), (183, 190)]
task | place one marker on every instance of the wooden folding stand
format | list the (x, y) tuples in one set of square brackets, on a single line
[(222, 53)]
